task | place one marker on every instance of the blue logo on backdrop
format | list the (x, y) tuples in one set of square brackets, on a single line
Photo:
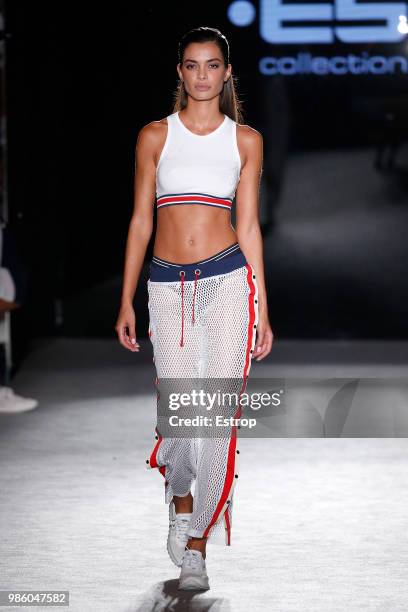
[(281, 23)]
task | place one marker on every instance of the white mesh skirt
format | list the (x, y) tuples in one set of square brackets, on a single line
[(202, 325)]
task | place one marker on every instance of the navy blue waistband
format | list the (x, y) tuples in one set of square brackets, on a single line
[(224, 261)]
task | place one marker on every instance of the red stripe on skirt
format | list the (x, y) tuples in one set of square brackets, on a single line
[(228, 526), (251, 298), (232, 446), (153, 457)]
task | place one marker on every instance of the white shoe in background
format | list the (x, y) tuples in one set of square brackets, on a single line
[(11, 403), (193, 571)]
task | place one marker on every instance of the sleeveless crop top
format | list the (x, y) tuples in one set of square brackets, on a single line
[(198, 169)]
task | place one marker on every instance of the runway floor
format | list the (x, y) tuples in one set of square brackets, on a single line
[(320, 524)]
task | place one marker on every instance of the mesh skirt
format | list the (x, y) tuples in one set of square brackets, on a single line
[(202, 324)]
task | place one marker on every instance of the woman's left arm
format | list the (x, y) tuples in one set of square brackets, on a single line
[(250, 143)]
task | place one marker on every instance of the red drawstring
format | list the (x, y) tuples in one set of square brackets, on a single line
[(196, 274), (182, 274)]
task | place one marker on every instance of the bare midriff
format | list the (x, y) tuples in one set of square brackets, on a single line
[(192, 232)]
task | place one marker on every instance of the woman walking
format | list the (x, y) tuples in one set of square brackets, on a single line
[(208, 314)]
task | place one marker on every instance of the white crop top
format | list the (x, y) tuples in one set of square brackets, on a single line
[(195, 169)]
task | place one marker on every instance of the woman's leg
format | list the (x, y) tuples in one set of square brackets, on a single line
[(175, 456), (228, 338), (183, 504)]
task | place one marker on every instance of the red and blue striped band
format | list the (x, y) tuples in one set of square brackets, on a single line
[(206, 199)]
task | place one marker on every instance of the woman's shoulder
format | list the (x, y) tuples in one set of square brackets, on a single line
[(248, 132), (154, 126), (153, 132), (248, 138)]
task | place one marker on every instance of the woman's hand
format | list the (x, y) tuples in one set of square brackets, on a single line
[(264, 338), (126, 328)]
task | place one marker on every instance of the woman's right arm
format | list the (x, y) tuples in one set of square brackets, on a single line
[(140, 231)]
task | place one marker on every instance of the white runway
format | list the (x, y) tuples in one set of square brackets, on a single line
[(320, 524)]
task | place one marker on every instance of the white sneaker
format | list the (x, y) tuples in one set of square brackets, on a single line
[(193, 571), (10, 402), (177, 538)]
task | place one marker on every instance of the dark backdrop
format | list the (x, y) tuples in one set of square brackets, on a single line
[(81, 82)]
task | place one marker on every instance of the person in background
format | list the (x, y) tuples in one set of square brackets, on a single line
[(12, 291)]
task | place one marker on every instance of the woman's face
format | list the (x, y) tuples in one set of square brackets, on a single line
[(203, 70)]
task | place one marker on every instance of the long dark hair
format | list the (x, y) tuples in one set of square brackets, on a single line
[(229, 103)]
